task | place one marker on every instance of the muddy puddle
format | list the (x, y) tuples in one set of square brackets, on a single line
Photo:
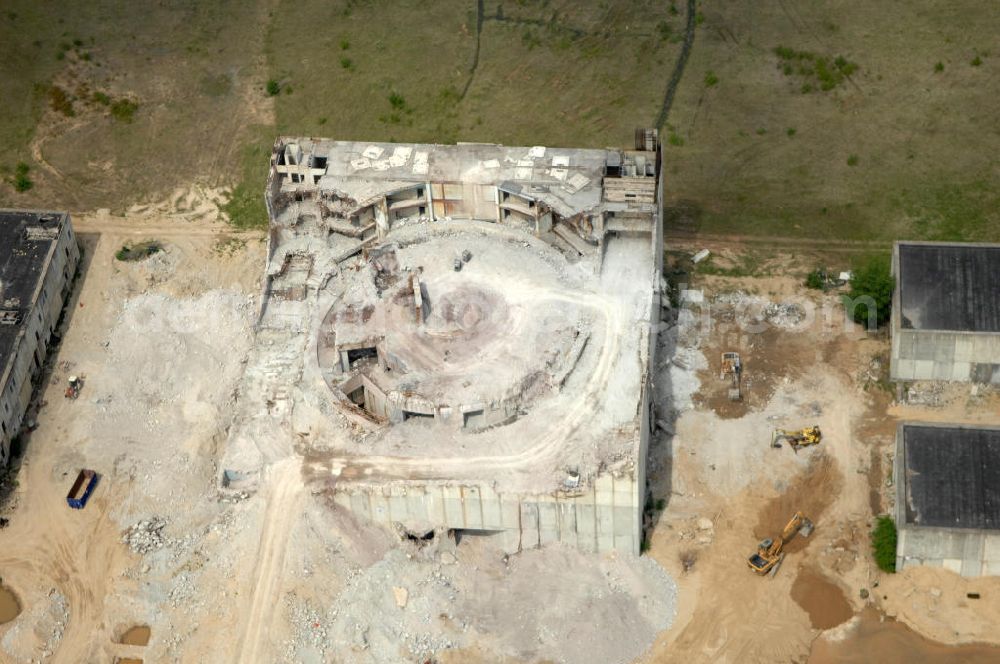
[(822, 599), (9, 606), (136, 636), (891, 642)]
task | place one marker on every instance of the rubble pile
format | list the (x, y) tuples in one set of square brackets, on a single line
[(750, 309), (146, 536)]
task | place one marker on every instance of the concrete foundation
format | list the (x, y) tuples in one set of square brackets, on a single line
[(599, 518)]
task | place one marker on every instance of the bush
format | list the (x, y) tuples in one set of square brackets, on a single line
[(874, 280), (976, 61), (136, 252), (22, 182), (852, 160), (344, 44), (816, 279), (884, 543), (711, 79), (675, 139), (939, 67), (60, 101), (124, 110), (345, 63), (272, 87), (397, 101)]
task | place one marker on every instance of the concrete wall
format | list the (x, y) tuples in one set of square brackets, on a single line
[(32, 343), (598, 519), (933, 355), (963, 551)]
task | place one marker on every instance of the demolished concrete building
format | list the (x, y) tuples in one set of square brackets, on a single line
[(459, 336), (38, 259)]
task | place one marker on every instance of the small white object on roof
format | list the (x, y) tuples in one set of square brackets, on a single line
[(700, 256), (537, 152), (559, 170), (399, 156), (846, 276), (692, 296), (420, 166), (360, 163), (577, 182), (372, 152), (491, 163)]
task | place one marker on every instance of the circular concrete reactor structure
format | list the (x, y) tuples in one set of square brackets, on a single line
[(463, 327)]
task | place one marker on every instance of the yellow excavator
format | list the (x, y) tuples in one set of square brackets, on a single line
[(797, 437), (769, 554)]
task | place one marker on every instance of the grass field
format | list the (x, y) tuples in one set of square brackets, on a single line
[(903, 147), (111, 102), (815, 120)]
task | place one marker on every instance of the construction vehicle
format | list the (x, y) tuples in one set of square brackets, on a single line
[(732, 369), (770, 553), (797, 437), (74, 387)]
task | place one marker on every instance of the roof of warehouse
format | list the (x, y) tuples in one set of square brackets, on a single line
[(22, 259), (952, 476), (950, 287)]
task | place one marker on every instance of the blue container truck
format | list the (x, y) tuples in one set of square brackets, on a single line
[(82, 488)]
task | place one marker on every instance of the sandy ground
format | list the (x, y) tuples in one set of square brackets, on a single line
[(281, 576), (276, 576), (724, 489)]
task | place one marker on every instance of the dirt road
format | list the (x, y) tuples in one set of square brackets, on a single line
[(284, 490)]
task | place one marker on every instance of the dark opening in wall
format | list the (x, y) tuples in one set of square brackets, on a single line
[(361, 354), (408, 415), (473, 419), (419, 537), (459, 533), (357, 397), (318, 162)]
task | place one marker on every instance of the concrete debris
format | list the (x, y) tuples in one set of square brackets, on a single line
[(145, 536), (929, 393), (744, 308), (692, 296), (433, 608), (700, 256)]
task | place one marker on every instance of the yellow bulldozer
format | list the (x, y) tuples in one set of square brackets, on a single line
[(767, 559), (797, 437)]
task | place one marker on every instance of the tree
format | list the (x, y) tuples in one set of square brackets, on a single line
[(870, 298), (884, 544)]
